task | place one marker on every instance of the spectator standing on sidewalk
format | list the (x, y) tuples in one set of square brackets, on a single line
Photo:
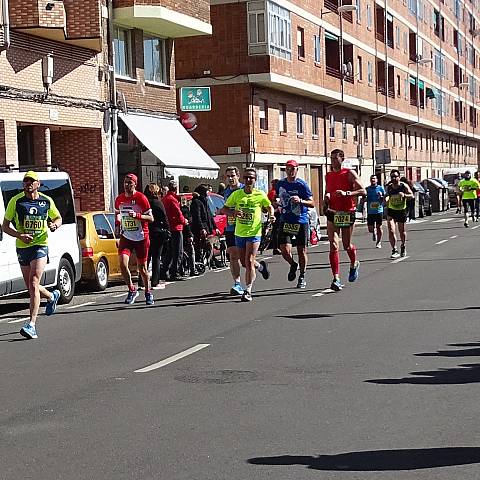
[(272, 196), (159, 232), (203, 223), (176, 221)]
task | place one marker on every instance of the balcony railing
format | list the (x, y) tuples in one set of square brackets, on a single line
[(413, 102), (348, 78), (391, 92), (333, 71), (390, 42), (380, 37), (333, 6), (382, 89)]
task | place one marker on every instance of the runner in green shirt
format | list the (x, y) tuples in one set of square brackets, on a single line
[(33, 214), (246, 205), (468, 186)]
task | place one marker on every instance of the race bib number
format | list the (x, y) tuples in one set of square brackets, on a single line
[(374, 205), (130, 224), (32, 224), (231, 220), (247, 216), (291, 228), (342, 219), (396, 201)]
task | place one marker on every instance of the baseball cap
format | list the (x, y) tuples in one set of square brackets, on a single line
[(292, 163), (31, 174), (132, 177)]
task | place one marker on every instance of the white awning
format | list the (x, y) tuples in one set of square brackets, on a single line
[(168, 140)]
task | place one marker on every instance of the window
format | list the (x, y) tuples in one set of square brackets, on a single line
[(359, 68), (331, 125), (401, 138), (394, 137), (365, 132), (377, 135), (280, 31), (123, 52), (263, 114), (256, 27), (316, 48), (301, 42), (344, 129), (358, 4), (399, 87), (397, 37), (315, 123), (421, 141), (415, 140), (356, 131), (369, 17), (154, 60), (103, 227), (385, 138), (299, 121), (369, 73), (282, 118)]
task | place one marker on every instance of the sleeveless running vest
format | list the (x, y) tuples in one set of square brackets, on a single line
[(339, 181)]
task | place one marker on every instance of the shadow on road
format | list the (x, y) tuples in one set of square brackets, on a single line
[(380, 460), (467, 373)]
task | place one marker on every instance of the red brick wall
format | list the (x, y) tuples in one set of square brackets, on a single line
[(80, 153), (199, 9), (225, 52), (83, 18)]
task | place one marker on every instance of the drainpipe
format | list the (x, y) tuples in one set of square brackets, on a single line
[(6, 23), (113, 109)]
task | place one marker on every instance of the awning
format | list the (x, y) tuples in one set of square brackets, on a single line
[(168, 140)]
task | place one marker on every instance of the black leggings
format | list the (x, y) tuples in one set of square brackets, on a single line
[(469, 203)]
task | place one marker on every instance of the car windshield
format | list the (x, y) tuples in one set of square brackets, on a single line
[(59, 190)]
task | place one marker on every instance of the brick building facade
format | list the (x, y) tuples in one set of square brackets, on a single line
[(296, 79), (69, 123)]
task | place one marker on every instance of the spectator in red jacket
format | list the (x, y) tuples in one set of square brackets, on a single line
[(176, 221)]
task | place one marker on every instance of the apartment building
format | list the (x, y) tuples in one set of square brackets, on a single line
[(70, 68), (378, 79)]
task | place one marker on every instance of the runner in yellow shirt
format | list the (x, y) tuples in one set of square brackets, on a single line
[(246, 204), (468, 186)]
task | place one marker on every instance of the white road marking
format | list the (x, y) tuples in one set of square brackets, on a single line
[(454, 236), (473, 228), (118, 295), (417, 221), (441, 241), (80, 305), (321, 294), (443, 220), (401, 259), (173, 358), (21, 320), (325, 243)]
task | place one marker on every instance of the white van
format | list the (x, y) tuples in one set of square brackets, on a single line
[(64, 266)]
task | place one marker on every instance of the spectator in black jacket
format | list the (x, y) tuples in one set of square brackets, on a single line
[(159, 231), (203, 223)]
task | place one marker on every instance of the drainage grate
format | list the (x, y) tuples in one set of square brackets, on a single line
[(219, 377)]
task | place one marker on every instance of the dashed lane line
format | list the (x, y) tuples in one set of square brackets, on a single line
[(453, 236), (401, 259), (441, 241), (20, 320), (473, 228), (443, 220), (79, 305), (173, 358)]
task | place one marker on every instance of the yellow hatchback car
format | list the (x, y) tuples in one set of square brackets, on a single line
[(96, 232)]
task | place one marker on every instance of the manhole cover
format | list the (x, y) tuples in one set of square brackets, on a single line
[(219, 377)]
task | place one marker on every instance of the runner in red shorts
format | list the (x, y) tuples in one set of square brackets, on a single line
[(133, 215), (342, 186)]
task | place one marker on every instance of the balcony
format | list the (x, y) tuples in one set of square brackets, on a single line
[(188, 19), (59, 20)]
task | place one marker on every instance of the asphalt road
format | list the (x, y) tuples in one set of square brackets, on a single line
[(378, 381)]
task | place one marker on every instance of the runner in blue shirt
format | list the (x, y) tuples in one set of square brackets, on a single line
[(375, 198), (295, 197)]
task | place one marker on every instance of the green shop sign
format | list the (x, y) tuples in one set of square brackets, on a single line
[(195, 99)]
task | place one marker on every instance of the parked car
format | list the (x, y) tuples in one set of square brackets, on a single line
[(64, 267), (96, 232), (215, 202)]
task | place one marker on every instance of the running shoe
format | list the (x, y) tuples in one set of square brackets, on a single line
[(236, 289), (246, 297), (336, 285), (378, 245), (28, 331), (395, 254), (265, 271), (465, 224), (403, 251), (293, 272), (132, 295), (302, 283), (52, 304), (149, 298), (353, 275)]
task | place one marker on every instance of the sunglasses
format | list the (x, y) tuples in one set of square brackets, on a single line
[(394, 176), (249, 178)]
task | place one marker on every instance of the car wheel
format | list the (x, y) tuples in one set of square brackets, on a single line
[(101, 275), (65, 281)]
